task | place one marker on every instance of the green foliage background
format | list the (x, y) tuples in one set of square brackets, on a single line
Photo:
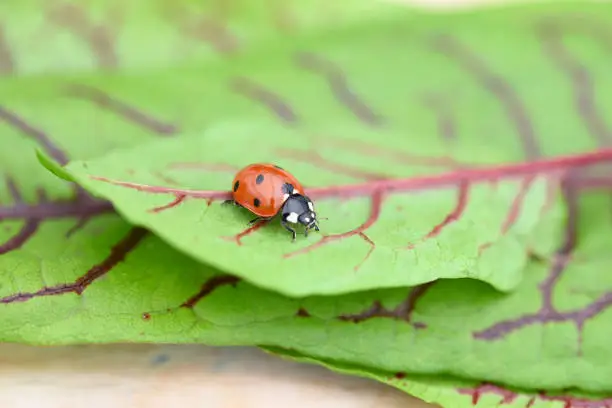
[(180, 94)]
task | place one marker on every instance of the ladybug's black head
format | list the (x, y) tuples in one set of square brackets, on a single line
[(299, 209)]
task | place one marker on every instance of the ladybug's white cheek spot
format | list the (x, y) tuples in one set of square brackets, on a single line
[(310, 206), (292, 217), (312, 214)]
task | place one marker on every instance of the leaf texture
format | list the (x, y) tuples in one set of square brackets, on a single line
[(404, 232), (479, 138)]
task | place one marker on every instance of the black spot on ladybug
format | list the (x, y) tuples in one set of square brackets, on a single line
[(288, 188), (256, 202), (236, 185), (259, 179)]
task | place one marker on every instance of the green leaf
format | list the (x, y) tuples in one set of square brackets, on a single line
[(521, 92), (471, 229), (349, 123), (153, 297), (554, 323), (62, 289), (69, 37), (50, 164), (457, 393)]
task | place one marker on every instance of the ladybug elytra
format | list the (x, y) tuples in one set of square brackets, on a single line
[(267, 190)]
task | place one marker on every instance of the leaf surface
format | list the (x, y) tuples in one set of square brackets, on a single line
[(102, 36), (452, 392), (374, 237), (356, 133), (71, 271), (122, 285), (557, 318)]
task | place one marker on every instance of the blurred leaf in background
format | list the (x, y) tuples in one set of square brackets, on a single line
[(180, 94)]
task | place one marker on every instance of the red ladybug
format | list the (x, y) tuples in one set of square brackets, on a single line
[(268, 190)]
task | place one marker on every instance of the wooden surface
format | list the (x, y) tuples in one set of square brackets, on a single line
[(152, 376)]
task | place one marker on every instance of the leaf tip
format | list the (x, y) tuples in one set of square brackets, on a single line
[(54, 167)]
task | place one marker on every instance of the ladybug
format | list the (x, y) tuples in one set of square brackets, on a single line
[(267, 190)]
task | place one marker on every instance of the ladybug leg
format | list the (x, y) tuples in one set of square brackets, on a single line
[(256, 220), (288, 228), (316, 228)]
